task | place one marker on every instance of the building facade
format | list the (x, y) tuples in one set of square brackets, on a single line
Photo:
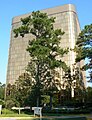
[(66, 20)]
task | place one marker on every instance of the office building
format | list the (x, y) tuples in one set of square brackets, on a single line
[(66, 20)]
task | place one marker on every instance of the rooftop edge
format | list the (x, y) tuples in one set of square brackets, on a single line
[(49, 11)]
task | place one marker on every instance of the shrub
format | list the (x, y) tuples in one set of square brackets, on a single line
[(62, 111), (7, 111), (9, 104), (2, 102)]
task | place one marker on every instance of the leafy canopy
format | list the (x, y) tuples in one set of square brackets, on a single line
[(44, 49), (84, 48), (45, 45)]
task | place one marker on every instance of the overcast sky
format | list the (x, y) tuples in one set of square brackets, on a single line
[(11, 8)]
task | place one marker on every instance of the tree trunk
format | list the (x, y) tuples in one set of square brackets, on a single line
[(37, 101), (50, 102)]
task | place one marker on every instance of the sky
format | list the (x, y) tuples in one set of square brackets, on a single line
[(12, 8)]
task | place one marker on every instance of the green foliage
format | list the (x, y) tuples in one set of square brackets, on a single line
[(43, 50), (2, 102), (9, 103), (45, 45), (73, 81), (84, 48), (23, 88), (89, 96), (18, 94), (2, 91), (66, 111), (45, 99), (7, 111)]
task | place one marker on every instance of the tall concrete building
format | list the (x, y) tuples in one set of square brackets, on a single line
[(66, 20)]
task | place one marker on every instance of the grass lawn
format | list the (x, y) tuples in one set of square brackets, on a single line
[(9, 113), (15, 115), (26, 116)]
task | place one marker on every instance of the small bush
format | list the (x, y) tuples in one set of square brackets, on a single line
[(7, 111), (10, 103), (61, 111), (2, 102)]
